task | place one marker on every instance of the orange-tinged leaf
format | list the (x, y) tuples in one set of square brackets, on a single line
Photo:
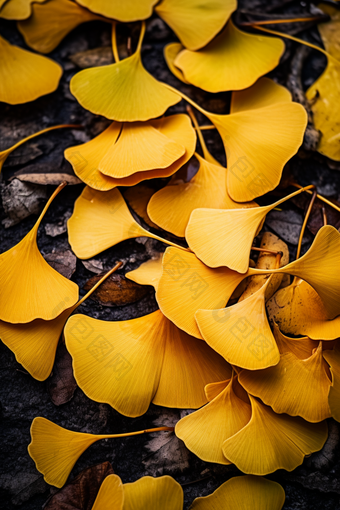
[(301, 347), (185, 17), (234, 60), (205, 430), (243, 493), (51, 22), (271, 441), (149, 493), (25, 76), (170, 53), (298, 387)]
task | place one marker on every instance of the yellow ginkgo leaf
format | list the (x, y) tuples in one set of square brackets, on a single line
[(139, 147), (299, 310), (324, 94), (137, 198), (333, 358), (301, 347), (243, 493), (258, 143), (273, 441), (107, 221), (25, 76), (148, 273), (17, 9), (87, 158), (55, 450), (110, 495), (264, 92), (142, 354), (30, 287), (170, 53), (205, 430), (123, 91), (234, 60), (187, 285), (5, 153), (51, 22), (195, 22), (127, 11), (35, 343), (149, 493), (232, 230), (265, 260), (298, 387), (319, 267), (244, 337)]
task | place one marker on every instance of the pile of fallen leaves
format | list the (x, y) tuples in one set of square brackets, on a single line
[(243, 336)]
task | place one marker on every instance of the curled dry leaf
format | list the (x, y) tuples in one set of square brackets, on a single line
[(116, 290)]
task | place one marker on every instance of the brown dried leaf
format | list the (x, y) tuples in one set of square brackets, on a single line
[(62, 261), (81, 493), (93, 58), (315, 221), (20, 200), (116, 290), (62, 384)]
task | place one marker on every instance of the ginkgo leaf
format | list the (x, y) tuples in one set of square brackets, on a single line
[(333, 359), (87, 158), (148, 273), (123, 91), (25, 76), (149, 493), (187, 285), (258, 143), (244, 338), (243, 493), (137, 198), (5, 153), (319, 266), (107, 221), (265, 260), (35, 343), (298, 387), (110, 495), (139, 147), (324, 93), (17, 9), (205, 430), (51, 22), (299, 310), (30, 287), (273, 441), (264, 92), (301, 347), (194, 22), (142, 354), (170, 207), (170, 53), (55, 450), (234, 60), (233, 230), (127, 11)]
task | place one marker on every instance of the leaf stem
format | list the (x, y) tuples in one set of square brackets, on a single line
[(114, 42)]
